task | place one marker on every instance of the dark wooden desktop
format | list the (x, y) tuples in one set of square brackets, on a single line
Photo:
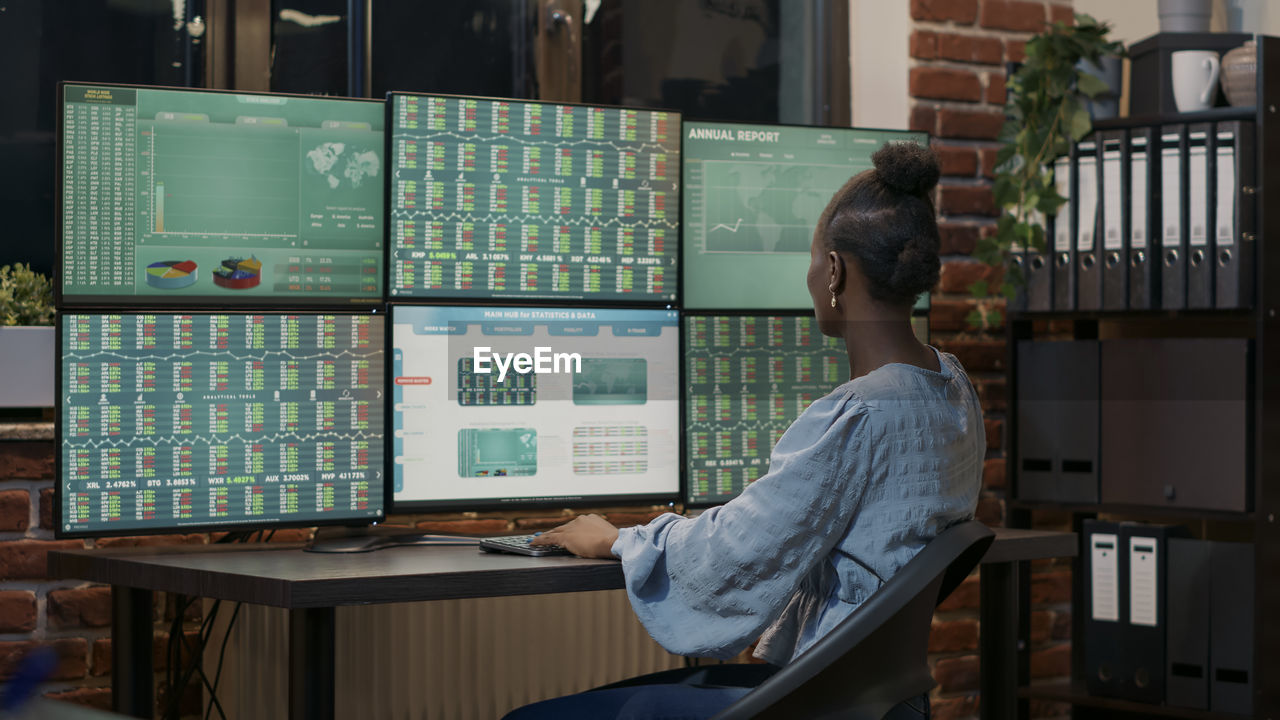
[(311, 585)]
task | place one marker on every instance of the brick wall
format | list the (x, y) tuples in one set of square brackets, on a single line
[(956, 83)]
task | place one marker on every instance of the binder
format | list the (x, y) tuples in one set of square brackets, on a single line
[(1105, 605), (1063, 285), (1236, 233), (1058, 418), (1144, 584), (1187, 640), (1088, 248), (1173, 239), (1115, 245), (1231, 628), (1200, 275), (1037, 270), (1142, 286), (1017, 263)]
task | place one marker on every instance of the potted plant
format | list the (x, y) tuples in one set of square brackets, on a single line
[(1046, 106), (27, 343)]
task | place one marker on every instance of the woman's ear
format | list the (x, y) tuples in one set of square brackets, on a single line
[(835, 270)]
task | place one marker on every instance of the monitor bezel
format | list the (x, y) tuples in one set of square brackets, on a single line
[(523, 300), (60, 487), (394, 507), (921, 134), (209, 303)]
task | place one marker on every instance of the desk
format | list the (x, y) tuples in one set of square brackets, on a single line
[(311, 585)]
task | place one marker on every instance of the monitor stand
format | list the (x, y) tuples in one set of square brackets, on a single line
[(370, 538)]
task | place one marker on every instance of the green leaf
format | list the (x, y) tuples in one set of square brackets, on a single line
[(1091, 85), (1008, 289), (975, 320), (1078, 123), (979, 289)]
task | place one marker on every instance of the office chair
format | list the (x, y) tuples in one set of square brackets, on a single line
[(877, 657)]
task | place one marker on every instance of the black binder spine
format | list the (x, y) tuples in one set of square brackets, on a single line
[(1236, 224), (1064, 233), (1187, 642), (1106, 607), (1142, 222), (1088, 229), (1144, 583), (1114, 194), (1173, 217), (1231, 634), (1200, 210)]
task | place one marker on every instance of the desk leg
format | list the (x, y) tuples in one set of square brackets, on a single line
[(311, 673), (132, 632), (1003, 659)]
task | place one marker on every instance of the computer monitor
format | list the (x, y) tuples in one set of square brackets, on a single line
[(173, 422), (198, 198), (510, 201), (747, 378), (591, 414), (752, 195)]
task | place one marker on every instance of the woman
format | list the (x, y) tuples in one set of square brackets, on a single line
[(856, 486)]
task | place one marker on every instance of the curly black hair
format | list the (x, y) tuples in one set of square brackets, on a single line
[(885, 219)]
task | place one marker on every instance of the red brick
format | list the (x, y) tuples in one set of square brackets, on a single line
[(26, 461), (977, 355), (958, 275), (1041, 627), (956, 160), (1051, 662), (924, 119), (995, 433), (957, 239), (542, 523), (967, 48), (87, 607), (966, 200), (939, 83), (15, 510), (160, 649), (1048, 709), (473, 526), (46, 509), (192, 611), (960, 11), (1051, 588), (990, 510), (1013, 15), (1061, 626), (1015, 50), (28, 559), (964, 597), (73, 658), (10, 653), (626, 519), (970, 124), (151, 540), (949, 315), (956, 674), (924, 45), (191, 702), (100, 658), (17, 611), (995, 88), (291, 535), (1063, 14), (992, 395), (993, 471), (98, 698), (989, 163), (955, 708), (953, 636)]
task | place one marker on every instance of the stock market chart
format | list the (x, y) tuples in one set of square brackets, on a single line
[(169, 421), (748, 378), (176, 197), (506, 199)]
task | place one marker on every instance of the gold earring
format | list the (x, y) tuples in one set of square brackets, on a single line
[(833, 298)]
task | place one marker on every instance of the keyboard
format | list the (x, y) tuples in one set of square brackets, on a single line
[(519, 544)]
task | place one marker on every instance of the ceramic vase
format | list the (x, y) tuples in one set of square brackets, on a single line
[(1240, 75)]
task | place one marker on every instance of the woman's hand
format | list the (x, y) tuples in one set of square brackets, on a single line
[(588, 536)]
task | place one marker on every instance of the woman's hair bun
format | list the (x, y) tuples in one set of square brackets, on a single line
[(907, 167)]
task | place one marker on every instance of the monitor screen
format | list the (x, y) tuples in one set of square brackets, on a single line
[(752, 196), (498, 406), (512, 200), (188, 198), (747, 378), (175, 422)]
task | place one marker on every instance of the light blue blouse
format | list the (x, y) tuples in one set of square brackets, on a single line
[(856, 486)]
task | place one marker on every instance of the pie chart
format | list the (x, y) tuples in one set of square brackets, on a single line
[(238, 273), (172, 274)]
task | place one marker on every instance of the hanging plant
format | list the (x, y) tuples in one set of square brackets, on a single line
[(1046, 111)]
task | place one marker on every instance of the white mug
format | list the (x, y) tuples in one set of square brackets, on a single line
[(1195, 79)]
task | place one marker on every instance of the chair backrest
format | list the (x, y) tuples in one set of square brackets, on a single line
[(878, 656)]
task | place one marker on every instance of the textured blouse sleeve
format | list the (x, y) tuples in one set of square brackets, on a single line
[(708, 586)]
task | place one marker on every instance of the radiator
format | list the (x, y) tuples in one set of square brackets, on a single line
[(449, 659)]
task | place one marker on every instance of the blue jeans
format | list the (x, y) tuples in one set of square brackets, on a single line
[(686, 694)]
